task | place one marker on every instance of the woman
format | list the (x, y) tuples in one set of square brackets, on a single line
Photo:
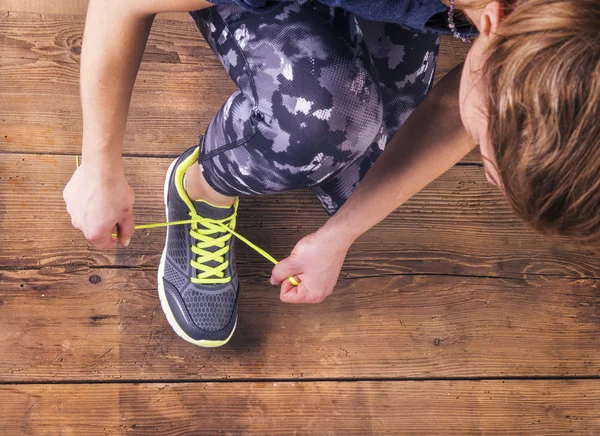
[(321, 91)]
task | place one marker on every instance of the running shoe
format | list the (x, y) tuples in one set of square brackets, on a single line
[(197, 279)]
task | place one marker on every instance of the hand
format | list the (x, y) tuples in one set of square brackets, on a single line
[(316, 262), (100, 202)]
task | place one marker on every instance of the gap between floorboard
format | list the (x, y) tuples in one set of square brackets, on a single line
[(301, 380)]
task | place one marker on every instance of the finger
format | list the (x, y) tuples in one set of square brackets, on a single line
[(284, 269), (101, 240), (105, 244), (297, 295), (126, 229), (286, 287), (293, 280)]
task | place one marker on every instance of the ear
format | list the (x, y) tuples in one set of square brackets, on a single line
[(490, 18)]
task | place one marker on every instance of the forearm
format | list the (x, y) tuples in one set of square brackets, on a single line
[(113, 45), (115, 36), (429, 143)]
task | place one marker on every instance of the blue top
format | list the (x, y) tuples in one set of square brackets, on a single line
[(411, 13)]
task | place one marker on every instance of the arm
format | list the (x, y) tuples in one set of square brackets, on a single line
[(416, 155), (98, 196)]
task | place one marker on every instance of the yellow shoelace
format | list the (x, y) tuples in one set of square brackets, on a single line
[(203, 235), (210, 275)]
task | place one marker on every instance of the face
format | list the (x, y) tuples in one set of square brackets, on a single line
[(471, 95)]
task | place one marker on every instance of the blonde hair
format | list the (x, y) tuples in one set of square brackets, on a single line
[(542, 73)]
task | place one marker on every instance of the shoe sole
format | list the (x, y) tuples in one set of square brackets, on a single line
[(161, 288)]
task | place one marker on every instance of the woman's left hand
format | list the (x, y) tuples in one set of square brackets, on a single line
[(315, 262)]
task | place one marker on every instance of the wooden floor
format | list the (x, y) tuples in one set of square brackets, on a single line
[(450, 317)]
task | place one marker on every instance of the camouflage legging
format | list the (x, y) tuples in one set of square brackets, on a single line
[(320, 93)]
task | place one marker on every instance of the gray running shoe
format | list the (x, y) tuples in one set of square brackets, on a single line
[(197, 279)]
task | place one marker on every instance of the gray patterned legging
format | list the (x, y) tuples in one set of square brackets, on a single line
[(320, 93)]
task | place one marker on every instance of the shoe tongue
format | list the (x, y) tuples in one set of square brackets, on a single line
[(209, 211)]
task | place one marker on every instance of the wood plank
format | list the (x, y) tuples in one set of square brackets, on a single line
[(452, 53), (68, 7), (554, 407), (105, 324), (180, 87), (459, 225)]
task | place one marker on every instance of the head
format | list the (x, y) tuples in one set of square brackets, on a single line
[(530, 97)]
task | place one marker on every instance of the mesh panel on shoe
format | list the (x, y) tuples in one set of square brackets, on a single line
[(210, 312), (178, 251), (174, 277)]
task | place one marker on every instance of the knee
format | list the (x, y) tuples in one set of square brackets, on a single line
[(337, 110), (357, 109)]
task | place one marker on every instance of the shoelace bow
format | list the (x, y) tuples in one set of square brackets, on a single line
[(205, 239)]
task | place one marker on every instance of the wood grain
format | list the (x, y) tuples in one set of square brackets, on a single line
[(180, 87), (364, 408), (68, 7), (106, 324), (459, 225), (451, 290)]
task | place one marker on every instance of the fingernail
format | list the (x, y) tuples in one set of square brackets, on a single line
[(127, 242), (272, 281)]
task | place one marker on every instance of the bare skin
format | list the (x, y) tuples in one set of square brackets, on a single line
[(198, 188)]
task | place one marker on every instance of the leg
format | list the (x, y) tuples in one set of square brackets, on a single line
[(405, 62), (308, 103), (308, 100)]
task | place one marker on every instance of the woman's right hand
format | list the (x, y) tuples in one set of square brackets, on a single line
[(315, 261), (100, 202)]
